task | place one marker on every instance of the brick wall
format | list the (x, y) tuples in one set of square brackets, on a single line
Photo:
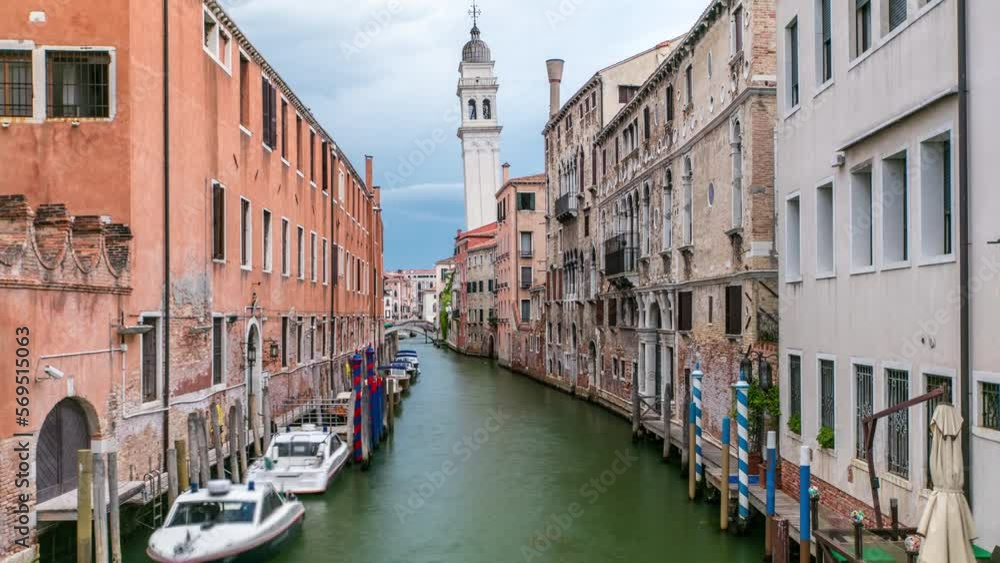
[(830, 497)]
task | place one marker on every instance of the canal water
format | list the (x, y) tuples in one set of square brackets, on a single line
[(490, 466)]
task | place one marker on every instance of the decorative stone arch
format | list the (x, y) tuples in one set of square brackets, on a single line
[(487, 109), (471, 112), (253, 374), (653, 316), (71, 425)]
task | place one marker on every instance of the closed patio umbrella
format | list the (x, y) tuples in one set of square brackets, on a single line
[(947, 524)]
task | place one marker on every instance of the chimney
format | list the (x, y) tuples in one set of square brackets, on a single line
[(506, 173), (369, 162), (555, 68)]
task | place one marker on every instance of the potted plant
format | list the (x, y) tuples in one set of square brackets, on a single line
[(825, 438), (795, 424)]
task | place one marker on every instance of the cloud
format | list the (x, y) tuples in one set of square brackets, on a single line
[(424, 192)]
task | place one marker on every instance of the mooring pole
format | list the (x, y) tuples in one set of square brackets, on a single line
[(100, 511), (182, 465), (772, 452), (699, 465), (171, 476), (692, 484), (743, 443), (84, 513), (113, 501), (805, 518), (357, 442), (724, 480)]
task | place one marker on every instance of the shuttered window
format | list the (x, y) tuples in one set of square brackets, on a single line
[(793, 63), (826, 39), (150, 359), (217, 336), (734, 309), (897, 13), (684, 311), (269, 100), (218, 221), (284, 342)]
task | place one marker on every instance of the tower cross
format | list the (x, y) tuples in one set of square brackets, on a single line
[(475, 12)]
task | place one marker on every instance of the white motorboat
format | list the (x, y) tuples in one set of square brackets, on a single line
[(409, 356), (226, 523), (301, 460)]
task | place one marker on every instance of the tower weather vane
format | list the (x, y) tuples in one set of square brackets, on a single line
[(475, 12)]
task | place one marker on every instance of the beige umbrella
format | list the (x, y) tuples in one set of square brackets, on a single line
[(947, 521)]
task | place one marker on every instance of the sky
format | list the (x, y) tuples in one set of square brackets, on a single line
[(381, 77)]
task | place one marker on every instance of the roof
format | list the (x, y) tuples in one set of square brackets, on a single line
[(476, 50), (486, 230)]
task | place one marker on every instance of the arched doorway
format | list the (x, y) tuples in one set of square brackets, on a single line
[(592, 360), (490, 348), (653, 322), (252, 359), (64, 432)]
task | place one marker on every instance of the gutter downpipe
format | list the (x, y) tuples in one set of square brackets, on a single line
[(334, 263), (963, 237), (166, 228)]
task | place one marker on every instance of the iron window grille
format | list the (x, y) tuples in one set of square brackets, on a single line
[(933, 382), (898, 427), (864, 383), (990, 401), (15, 84), (827, 394), (795, 386), (78, 84)]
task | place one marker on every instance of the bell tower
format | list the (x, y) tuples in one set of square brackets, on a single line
[(480, 128)]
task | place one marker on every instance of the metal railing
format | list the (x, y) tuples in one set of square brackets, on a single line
[(619, 255), (527, 253), (566, 206)]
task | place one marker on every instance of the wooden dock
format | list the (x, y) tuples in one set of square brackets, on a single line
[(63, 507)]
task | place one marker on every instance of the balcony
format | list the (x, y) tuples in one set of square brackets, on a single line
[(527, 253), (620, 256), (525, 283), (566, 207)]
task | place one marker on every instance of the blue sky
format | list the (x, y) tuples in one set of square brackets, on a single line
[(381, 76)]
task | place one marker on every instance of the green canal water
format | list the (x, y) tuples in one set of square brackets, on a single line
[(490, 466)]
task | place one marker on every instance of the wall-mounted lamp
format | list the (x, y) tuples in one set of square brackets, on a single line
[(274, 349)]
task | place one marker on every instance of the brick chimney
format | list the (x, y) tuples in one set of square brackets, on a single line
[(369, 162), (555, 69), (506, 173)]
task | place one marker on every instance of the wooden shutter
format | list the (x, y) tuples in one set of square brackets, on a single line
[(217, 350), (897, 13), (149, 361), (218, 221), (734, 309), (684, 317)]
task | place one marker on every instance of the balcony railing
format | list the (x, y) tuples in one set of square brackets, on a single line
[(620, 255), (527, 253), (525, 283), (566, 207)]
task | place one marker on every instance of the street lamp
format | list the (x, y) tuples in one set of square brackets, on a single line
[(252, 354)]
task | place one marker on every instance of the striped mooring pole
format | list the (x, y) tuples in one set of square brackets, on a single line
[(742, 432), (724, 481), (805, 517), (356, 372), (696, 377), (772, 453), (375, 411)]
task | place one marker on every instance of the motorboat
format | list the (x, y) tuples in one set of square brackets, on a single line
[(410, 356), (226, 523), (301, 460), (399, 372)]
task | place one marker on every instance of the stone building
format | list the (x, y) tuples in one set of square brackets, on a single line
[(151, 285), (572, 244), (473, 316), (520, 263), (687, 212)]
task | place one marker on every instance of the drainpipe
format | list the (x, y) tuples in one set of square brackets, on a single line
[(963, 237), (334, 265), (166, 228)]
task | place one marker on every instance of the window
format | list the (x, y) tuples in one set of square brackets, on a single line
[(312, 257), (864, 390), (647, 125), (298, 142), (525, 277), (284, 129), (862, 26), (269, 101), (738, 31), (626, 93), (670, 104), (526, 250), (487, 110), (824, 66), (340, 189), (150, 359), (936, 196), (898, 425), (711, 309), (795, 388), (323, 329), (15, 84), (688, 202), (933, 382), (298, 340), (472, 109), (525, 310), (218, 339), (688, 86), (824, 231), (668, 222), (266, 244), (989, 405), (897, 13), (218, 221), (312, 338), (862, 233), (244, 91), (684, 311), (737, 158), (895, 209), (792, 56), (301, 239), (312, 156), (827, 397), (734, 309), (324, 152), (284, 342), (246, 235), (793, 260), (286, 251), (78, 84), (525, 201), (326, 260)]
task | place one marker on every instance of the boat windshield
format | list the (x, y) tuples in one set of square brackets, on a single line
[(297, 449), (213, 512)]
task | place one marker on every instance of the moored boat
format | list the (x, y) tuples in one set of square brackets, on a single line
[(301, 460), (226, 523)]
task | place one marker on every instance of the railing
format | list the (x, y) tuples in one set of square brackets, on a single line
[(527, 253), (619, 255), (525, 283), (566, 206)]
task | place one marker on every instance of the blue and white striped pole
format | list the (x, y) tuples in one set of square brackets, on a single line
[(772, 452), (724, 482), (805, 517), (743, 434), (696, 377)]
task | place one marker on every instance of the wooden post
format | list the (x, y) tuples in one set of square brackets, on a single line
[(84, 513), (182, 465), (265, 395), (203, 464), (668, 392), (894, 512), (252, 410), (115, 516), (724, 480), (100, 511), (241, 440), (635, 406), (220, 458), (685, 430), (234, 450), (781, 540), (692, 484), (171, 476)]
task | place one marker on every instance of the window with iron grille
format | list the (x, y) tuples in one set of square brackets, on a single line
[(795, 386), (898, 426), (734, 309), (989, 404), (934, 382), (864, 389), (15, 84), (827, 397), (218, 334), (684, 310), (78, 84), (150, 359), (218, 221)]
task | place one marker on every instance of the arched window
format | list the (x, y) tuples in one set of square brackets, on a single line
[(668, 204), (737, 155), (688, 197), (487, 109), (472, 109), (645, 225)]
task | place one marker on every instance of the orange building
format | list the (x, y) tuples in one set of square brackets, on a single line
[(172, 237), (473, 306)]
